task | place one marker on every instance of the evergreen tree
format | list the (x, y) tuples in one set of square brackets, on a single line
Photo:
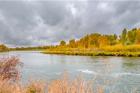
[(72, 43), (124, 36), (62, 43), (132, 36)]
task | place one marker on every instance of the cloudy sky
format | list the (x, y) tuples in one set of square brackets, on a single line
[(40, 22)]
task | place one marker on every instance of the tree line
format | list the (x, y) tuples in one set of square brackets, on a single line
[(97, 40), (94, 40), (5, 48)]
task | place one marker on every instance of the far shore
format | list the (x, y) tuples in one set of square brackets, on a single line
[(124, 51), (94, 53)]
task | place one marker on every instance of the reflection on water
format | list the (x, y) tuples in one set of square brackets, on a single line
[(123, 73)]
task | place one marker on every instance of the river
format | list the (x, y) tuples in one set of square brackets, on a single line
[(115, 73)]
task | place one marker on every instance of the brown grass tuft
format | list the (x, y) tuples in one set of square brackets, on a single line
[(65, 85)]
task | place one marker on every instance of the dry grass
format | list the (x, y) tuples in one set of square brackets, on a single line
[(36, 87), (121, 48), (10, 87), (65, 85), (10, 75)]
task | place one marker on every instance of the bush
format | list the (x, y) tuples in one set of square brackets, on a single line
[(9, 68)]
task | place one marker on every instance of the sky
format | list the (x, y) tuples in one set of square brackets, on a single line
[(46, 22)]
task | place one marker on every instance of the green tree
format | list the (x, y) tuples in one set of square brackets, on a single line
[(115, 37), (124, 36), (86, 41), (132, 36), (112, 39), (137, 37), (62, 43), (72, 43)]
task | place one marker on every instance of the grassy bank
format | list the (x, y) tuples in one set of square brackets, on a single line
[(127, 54), (119, 50)]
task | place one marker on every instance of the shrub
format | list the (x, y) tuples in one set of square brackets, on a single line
[(9, 68)]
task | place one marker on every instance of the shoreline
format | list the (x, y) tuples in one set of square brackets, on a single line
[(94, 53), (86, 53)]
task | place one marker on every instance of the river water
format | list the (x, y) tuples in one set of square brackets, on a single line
[(116, 74)]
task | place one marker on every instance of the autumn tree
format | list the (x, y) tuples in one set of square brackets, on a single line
[(86, 41), (137, 37), (94, 39), (103, 41), (3, 47)]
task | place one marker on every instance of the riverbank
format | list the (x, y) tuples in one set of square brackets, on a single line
[(125, 54), (126, 51)]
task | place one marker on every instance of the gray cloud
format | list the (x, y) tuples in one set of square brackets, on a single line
[(28, 22)]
